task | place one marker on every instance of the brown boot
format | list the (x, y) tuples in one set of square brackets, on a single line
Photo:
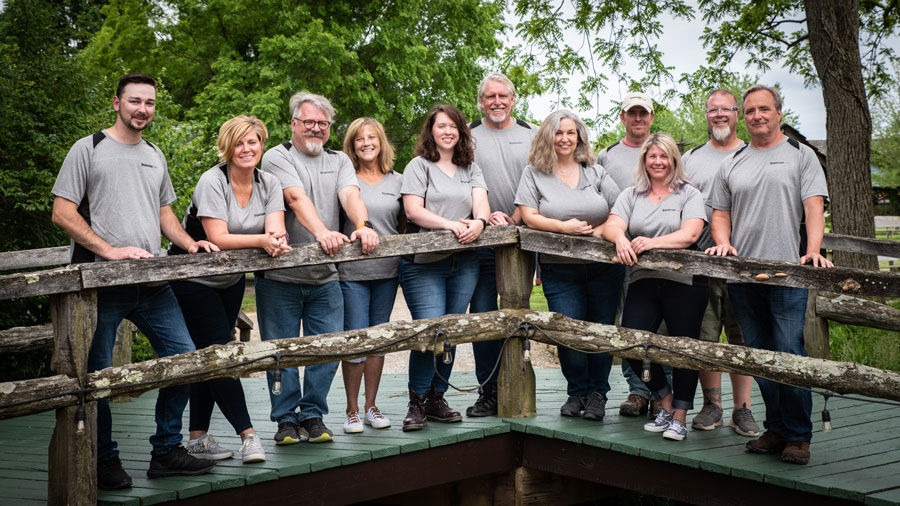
[(653, 409), (634, 405), (796, 452), (437, 409), (415, 417), (768, 444)]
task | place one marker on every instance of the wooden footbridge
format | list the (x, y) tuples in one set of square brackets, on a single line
[(527, 455)]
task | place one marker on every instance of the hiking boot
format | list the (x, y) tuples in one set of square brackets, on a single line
[(486, 405), (769, 443), (676, 431), (573, 406), (743, 423), (595, 407), (709, 417), (634, 405), (661, 422), (252, 450), (318, 432), (375, 419), (288, 434), (111, 476), (415, 416), (796, 452), (206, 447), (653, 409), (352, 424), (178, 462), (437, 409)]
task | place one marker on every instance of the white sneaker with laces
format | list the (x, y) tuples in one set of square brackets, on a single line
[(353, 424), (676, 431), (252, 450), (208, 448), (375, 419), (661, 422)]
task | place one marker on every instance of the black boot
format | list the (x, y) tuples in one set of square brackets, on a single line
[(415, 417), (437, 409), (486, 405)]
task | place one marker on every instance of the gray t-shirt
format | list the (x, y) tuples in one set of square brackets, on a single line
[(214, 198), (648, 219), (502, 155), (764, 190), (321, 177), (701, 165), (445, 196), (383, 204), (120, 187), (620, 161), (590, 200)]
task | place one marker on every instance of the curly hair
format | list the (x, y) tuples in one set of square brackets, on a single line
[(463, 152), (543, 148)]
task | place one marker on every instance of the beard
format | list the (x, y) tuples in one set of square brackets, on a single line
[(311, 145), (130, 122), (721, 134)]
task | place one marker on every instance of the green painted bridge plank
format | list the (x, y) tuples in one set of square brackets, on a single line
[(145, 496), (111, 499), (885, 498), (856, 484), (183, 488)]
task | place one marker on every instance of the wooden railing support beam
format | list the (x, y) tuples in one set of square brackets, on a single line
[(515, 383), (815, 330)]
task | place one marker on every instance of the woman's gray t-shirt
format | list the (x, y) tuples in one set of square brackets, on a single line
[(214, 198), (383, 203), (590, 200), (644, 218)]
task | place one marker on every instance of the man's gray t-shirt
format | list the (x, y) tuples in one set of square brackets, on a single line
[(445, 196), (383, 204), (123, 185), (648, 219), (321, 177), (590, 200), (764, 190), (701, 165), (214, 198), (502, 155), (620, 161)]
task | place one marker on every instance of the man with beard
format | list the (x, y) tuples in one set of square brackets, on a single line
[(112, 197), (317, 182), (501, 150), (759, 197), (701, 165)]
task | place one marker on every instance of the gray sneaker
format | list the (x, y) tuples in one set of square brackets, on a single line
[(661, 422), (676, 431), (743, 423), (252, 450), (208, 448), (709, 417)]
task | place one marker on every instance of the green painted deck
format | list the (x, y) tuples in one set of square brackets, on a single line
[(858, 460)]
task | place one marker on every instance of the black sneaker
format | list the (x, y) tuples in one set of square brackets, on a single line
[(573, 406), (318, 432), (486, 405), (288, 434), (595, 407), (178, 462), (111, 476)]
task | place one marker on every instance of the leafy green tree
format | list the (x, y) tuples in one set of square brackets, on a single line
[(886, 141)]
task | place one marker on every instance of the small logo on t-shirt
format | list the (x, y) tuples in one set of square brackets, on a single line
[(670, 209), (258, 215), (518, 142), (148, 165), (326, 172), (776, 163), (389, 194)]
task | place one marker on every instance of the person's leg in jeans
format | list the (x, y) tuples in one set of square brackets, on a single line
[(788, 308), (356, 316), (484, 299), (383, 293), (459, 285), (279, 307), (323, 312), (604, 284), (564, 288), (425, 290)]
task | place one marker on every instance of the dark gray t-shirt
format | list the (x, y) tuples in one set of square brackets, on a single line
[(502, 155), (214, 198), (321, 177), (383, 204), (445, 196), (764, 190), (701, 165), (620, 161), (125, 185), (649, 219), (590, 200)]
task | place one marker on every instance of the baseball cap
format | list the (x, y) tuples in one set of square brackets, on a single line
[(638, 98)]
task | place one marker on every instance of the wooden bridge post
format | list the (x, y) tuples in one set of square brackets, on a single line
[(72, 455), (815, 330), (515, 383)]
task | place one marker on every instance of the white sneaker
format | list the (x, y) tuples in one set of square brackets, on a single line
[(676, 431), (375, 419), (352, 424), (252, 450), (661, 422), (208, 448)]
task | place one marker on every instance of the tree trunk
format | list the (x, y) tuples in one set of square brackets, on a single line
[(833, 27)]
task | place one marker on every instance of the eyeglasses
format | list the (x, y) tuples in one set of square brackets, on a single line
[(309, 123), (724, 110)]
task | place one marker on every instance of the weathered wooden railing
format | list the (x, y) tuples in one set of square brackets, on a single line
[(73, 295)]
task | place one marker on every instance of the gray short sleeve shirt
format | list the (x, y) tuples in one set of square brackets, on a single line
[(502, 155), (383, 203), (701, 165), (620, 161)]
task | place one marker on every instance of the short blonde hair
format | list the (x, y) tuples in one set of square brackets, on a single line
[(233, 130), (386, 153), (543, 152), (677, 178)]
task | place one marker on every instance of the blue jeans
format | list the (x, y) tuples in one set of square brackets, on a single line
[(431, 290), (368, 303), (156, 313), (281, 307), (772, 318), (588, 292), (484, 299)]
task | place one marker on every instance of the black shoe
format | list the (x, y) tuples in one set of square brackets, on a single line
[(111, 476), (318, 432), (437, 409), (288, 434), (595, 407), (573, 406), (178, 462), (486, 405), (415, 417)]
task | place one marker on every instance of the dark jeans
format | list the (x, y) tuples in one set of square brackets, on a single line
[(648, 303), (588, 292), (210, 314), (772, 318), (484, 299)]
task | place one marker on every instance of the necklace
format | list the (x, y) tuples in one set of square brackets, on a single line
[(658, 197)]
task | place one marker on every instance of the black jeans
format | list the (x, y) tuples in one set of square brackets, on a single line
[(652, 300), (210, 315)]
